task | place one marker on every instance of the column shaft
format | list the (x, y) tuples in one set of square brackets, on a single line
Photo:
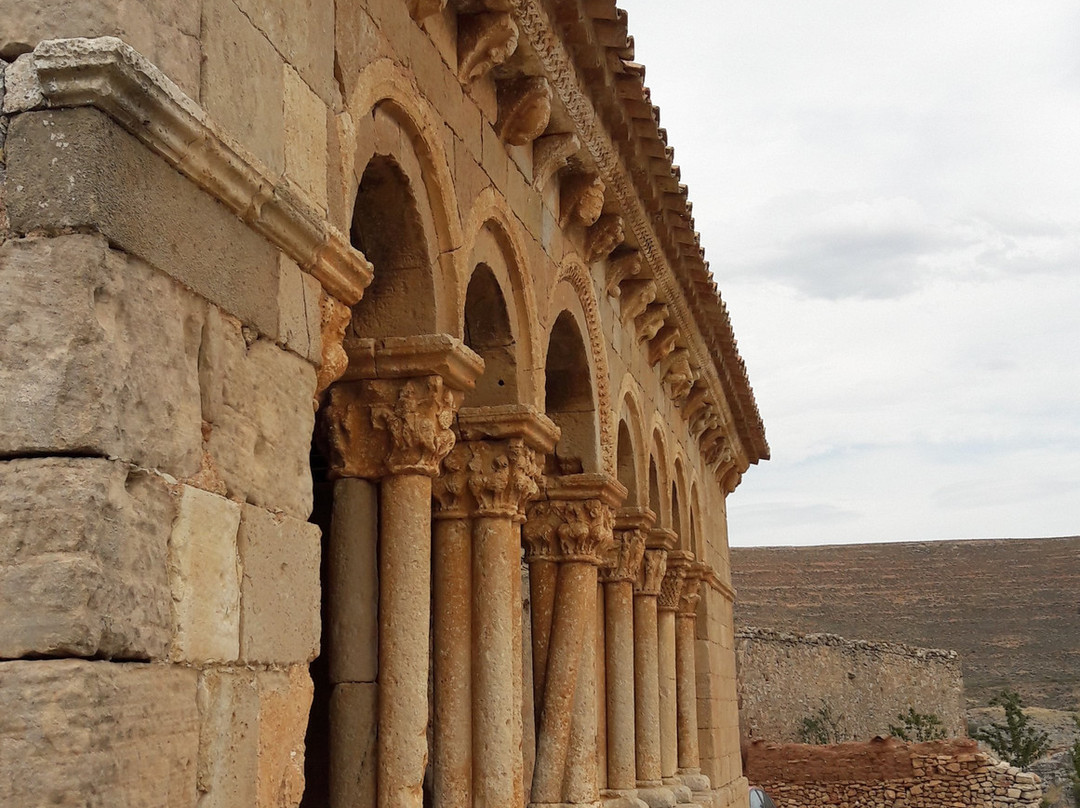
[(667, 686), (619, 641), (686, 671), (580, 782), (646, 690)]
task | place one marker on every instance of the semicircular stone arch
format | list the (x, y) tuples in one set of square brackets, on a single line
[(569, 397), (631, 445), (659, 479)]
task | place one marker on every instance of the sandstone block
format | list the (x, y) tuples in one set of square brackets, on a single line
[(305, 137), (353, 733), (251, 750), (99, 355), (298, 301), (164, 31), (303, 33), (77, 169), (83, 546), (280, 596), (243, 79), (205, 579), (256, 402), (97, 733)]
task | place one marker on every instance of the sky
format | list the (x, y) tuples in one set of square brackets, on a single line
[(889, 198)]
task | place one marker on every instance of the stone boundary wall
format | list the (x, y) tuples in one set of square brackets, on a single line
[(888, 773), (783, 678)]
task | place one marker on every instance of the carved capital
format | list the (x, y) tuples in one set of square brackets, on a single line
[(524, 109), (334, 318), (690, 596), (484, 41), (621, 265), (624, 559), (503, 476), (653, 568), (671, 588), (604, 236), (568, 530), (581, 199), (377, 427), (450, 490), (550, 153)]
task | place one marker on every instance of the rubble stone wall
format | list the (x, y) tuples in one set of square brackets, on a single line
[(783, 678), (888, 773)]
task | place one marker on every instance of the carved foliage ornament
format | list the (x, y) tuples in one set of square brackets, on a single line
[(503, 476), (624, 560), (569, 530), (671, 589)]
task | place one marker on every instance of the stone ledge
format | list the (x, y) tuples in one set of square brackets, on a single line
[(109, 75)]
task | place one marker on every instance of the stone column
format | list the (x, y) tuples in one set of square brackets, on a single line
[(618, 577), (686, 673), (667, 603), (647, 681), (573, 528), (452, 634), (505, 445), (389, 419)]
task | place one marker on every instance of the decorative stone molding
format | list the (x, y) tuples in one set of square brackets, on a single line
[(485, 40), (450, 489), (635, 298), (649, 322), (581, 199), (524, 109), (334, 319), (550, 153), (109, 75), (624, 561), (671, 588), (604, 236), (421, 9), (621, 265), (653, 570)]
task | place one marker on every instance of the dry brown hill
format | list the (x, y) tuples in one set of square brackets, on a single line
[(1011, 607)]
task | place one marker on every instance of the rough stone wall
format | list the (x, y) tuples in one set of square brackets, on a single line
[(786, 677), (887, 773), (1008, 607)]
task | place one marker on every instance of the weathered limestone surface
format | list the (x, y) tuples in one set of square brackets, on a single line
[(97, 733), (99, 355), (251, 749), (77, 169), (280, 594), (165, 31), (83, 545)]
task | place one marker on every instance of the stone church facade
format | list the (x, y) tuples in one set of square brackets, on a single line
[(369, 413)]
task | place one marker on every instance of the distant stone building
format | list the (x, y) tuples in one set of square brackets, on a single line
[(369, 412), (1009, 607)]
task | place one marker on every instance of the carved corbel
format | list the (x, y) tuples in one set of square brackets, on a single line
[(621, 265), (524, 109), (420, 9), (662, 344), (650, 321), (729, 479), (581, 199), (550, 153), (705, 419), (604, 236), (678, 375), (485, 40), (698, 398), (635, 298)]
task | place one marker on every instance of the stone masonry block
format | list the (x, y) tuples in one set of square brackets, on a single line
[(74, 732), (164, 31), (280, 594), (205, 579), (77, 169), (301, 319), (99, 355), (305, 137), (302, 31), (243, 82), (257, 407), (251, 750), (83, 544)]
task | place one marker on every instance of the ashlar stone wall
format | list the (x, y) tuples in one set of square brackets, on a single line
[(888, 773), (784, 678)]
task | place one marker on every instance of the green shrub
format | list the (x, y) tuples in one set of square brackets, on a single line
[(1015, 740), (823, 727), (917, 727)]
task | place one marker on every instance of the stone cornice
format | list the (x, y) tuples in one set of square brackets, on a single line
[(110, 76), (724, 374), (509, 421)]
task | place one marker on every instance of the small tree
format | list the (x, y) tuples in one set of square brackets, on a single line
[(1015, 740), (917, 727), (822, 727)]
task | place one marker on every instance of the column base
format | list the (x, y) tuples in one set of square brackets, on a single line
[(695, 781), (622, 798), (682, 792), (597, 804), (657, 796)]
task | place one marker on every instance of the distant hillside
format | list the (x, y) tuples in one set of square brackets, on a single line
[(1011, 607)]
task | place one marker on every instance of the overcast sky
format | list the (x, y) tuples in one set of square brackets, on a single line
[(889, 196)]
